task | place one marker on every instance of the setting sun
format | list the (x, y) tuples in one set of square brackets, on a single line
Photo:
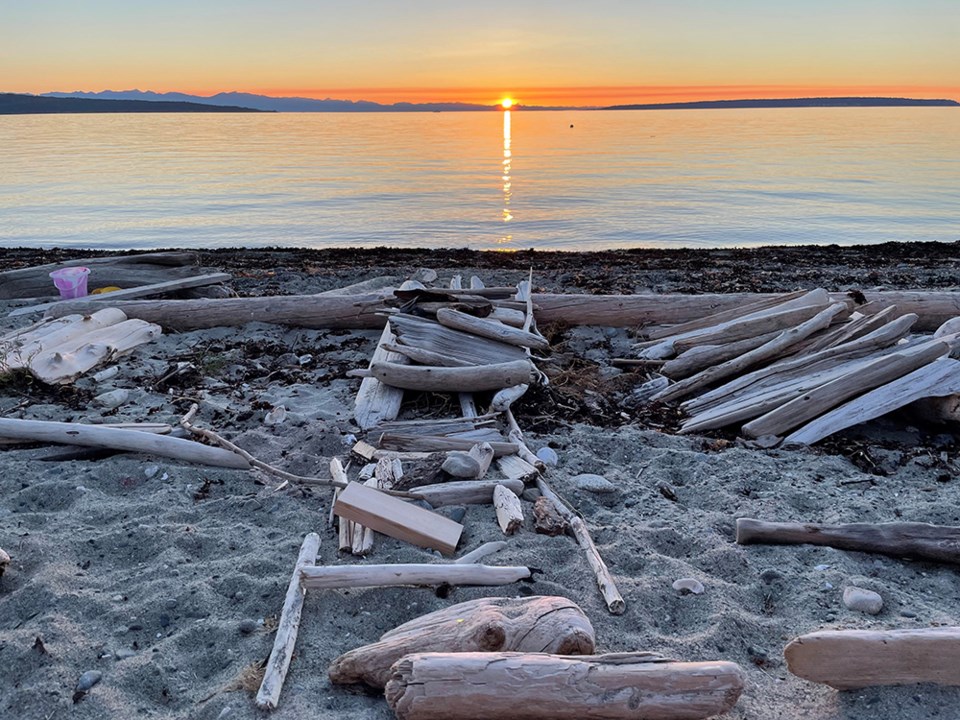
[(506, 103)]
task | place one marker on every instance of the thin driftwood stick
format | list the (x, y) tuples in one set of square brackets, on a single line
[(578, 529), (481, 552), (350, 576), (509, 510), (454, 379), (439, 443), (538, 686), (852, 659), (287, 628), (763, 324), (532, 624), (697, 358), (130, 440), (919, 540), (515, 435)]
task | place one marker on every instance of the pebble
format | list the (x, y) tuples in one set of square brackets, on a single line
[(276, 416), (821, 568), (170, 603), (461, 465), (549, 456), (455, 512), (247, 627), (88, 680), (150, 471), (908, 614), (225, 712), (124, 653), (688, 586), (770, 575), (112, 399), (117, 598), (594, 483), (164, 620), (865, 601)]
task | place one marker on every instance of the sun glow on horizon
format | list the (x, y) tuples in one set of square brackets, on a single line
[(506, 103)]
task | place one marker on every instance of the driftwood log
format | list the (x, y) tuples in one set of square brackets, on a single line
[(919, 540), (533, 624), (454, 379), (287, 628), (365, 311), (509, 510), (348, 576), (519, 686), (465, 492), (851, 659)]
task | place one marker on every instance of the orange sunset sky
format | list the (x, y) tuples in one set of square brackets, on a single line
[(540, 53)]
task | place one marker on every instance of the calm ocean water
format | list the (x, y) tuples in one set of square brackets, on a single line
[(551, 180)]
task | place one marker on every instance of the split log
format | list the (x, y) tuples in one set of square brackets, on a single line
[(353, 576), (468, 492), (521, 686), (939, 378), (132, 441), (532, 624), (19, 346), (608, 588), (919, 540), (287, 629), (697, 358), (398, 519), (481, 552), (377, 401), (492, 330), (763, 353), (820, 400), (853, 659), (160, 288), (447, 379), (429, 335), (119, 270), (509, 510)]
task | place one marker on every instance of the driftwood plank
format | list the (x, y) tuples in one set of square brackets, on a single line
[(287, 629), (527, 686), (376, 401), (919, 540), (350, 576), (851, 659), (533, 624), (451, 379)]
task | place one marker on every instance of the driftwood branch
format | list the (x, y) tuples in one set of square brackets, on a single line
[(349, 576)]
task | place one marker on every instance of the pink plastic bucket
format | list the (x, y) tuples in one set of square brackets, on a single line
[(71, 281)]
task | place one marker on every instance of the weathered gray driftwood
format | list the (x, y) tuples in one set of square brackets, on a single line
[(537, 686), (287, 628), (533, 624), (851, 659), (899, 539), (348, 576), (464, 492), (454, 379)]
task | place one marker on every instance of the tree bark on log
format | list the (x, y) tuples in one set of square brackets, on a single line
[(519, 686), (533, 624), (918, 540), (351, 576), (852, 659), (287, 629)]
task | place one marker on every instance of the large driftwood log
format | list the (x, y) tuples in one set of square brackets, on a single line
[(919, 540), (350, 576), (376, 401), (775, 320), (363, 311), (494, 330), (519, 686), (464, 492), (533, 624), (287, 628), (131, 440), (703, 356), (119, 270), (454, 379), (851, 659)]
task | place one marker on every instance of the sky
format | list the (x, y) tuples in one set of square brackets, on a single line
[(565, 52)]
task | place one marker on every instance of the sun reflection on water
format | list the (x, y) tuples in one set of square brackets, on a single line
[(507, 185)]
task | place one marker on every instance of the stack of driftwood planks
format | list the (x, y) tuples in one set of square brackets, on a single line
[(800, 366)]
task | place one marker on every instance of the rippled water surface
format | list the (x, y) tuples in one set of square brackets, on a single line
[(552, 180)]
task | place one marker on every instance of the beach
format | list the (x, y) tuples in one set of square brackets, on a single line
[(168, 577)]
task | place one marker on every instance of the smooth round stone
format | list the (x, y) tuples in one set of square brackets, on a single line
[(248, 626), (549, 456), (594, 483), (865, 601), (770, 575), (124, 653), (112, 399), (461, 465), (688, 586), (88, 680)]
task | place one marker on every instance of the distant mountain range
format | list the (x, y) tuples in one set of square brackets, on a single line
[(790, 103), (146, 101), (11, 104), (276, 104)]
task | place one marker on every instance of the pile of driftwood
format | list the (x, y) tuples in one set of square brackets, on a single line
[(800, 366)]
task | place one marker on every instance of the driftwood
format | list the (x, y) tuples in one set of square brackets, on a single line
[(439, 443), (533, 624), (819, 400), (697, 358), (398, 519), (898, 539), (466, 492), (851, 330), (520, 686), (287, 628), (376, 401), (578, 529), (852, 659), (351, 576), (160, 288), (516, 468), (775, 320), (477, 554), (426, 357), (5, 560), (429, 335), (451, 379), (104, 436), (120, 271), (493, 330), (509, 510), (941, 377)]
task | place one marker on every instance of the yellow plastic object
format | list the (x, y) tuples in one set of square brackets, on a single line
[(108, 289)]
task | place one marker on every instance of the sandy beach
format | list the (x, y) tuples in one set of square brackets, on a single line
[(168, 577)]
